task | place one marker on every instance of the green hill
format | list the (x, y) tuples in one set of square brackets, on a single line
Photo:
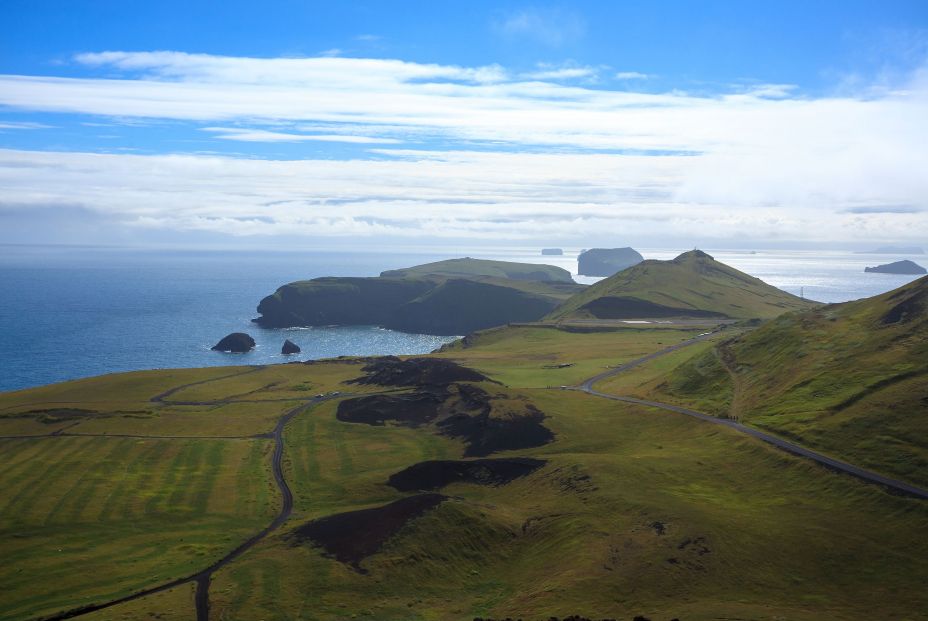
[(691, 285), (468, 268), (450, 297), (426, 491), (850, 379)]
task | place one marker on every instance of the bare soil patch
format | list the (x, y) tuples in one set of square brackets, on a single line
[(439, 473), (391, 371), (353, 536)]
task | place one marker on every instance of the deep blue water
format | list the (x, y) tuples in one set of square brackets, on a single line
[(69, 313), (75, 312)]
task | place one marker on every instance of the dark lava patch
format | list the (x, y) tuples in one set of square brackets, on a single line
[(391, 371), (437, 474), (414, 409), (485, 423), (353, 536), (485, 434)]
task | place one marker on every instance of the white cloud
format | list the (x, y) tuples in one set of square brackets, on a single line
[(260, 135), (548, 71), (631, 75), (551, 27), (435, 195), (765, 160), (22, 125)]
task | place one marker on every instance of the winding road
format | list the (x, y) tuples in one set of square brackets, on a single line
[(202, 578), (796, 449)]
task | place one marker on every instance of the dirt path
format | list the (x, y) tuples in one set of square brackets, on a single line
[(795, 449), (202, 578)]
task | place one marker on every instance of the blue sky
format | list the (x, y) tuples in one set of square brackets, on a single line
[(565, 123)]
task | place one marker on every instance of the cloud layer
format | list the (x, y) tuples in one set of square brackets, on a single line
[(498, 154)]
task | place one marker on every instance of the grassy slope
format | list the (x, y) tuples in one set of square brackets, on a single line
[(785, 538), (692, 281), (468, 268), (542, 348), (836, 378), (130, 512), (420, 300)]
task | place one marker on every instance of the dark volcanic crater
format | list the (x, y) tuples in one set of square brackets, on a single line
[(391, 371), (485, 423), (412, 410), (439, 473), (353, 536)]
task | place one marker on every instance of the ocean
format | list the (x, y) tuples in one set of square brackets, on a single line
[(71, 312)]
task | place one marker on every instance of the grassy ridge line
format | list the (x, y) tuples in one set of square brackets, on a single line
[(693, 282), (796, 449), (468, 267), (845, 379)]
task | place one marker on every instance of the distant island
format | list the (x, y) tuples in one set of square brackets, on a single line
[(606, 261), (552, 252), (452, 297), (898, 267), (894, 250)]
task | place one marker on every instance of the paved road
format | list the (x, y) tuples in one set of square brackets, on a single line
[(202, 578), (796, 449)]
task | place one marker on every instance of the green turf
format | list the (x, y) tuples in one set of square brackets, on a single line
[(126, 512), (529, 357), (468, 268), (839, 379), (749, 532), (694, 281)]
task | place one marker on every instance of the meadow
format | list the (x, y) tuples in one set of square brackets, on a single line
[(636, 511)]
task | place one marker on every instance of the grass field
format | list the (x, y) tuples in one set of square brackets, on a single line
[(541, 349), (769, 536), (637, 511), (127, 512)]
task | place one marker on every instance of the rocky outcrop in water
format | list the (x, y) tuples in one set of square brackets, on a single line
[(290, 348), (235, 343)]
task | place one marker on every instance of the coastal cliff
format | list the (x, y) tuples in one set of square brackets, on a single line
[(445, 298)]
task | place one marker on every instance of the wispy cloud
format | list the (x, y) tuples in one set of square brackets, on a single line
[(765, 159), (631, 75), (23, 125), (261, 135), (548, 71), (548, 26)]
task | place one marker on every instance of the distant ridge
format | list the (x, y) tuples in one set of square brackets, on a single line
[(847, 378), (692, 285)]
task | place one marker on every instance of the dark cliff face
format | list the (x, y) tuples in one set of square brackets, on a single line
[(607, 261), (899, 267), (459, 306), (428, 306), (339, 301)]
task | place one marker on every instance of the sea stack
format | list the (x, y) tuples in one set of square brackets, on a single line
[(235, 343), (606, 261), (289, 348), (899, 267), (552, 252)]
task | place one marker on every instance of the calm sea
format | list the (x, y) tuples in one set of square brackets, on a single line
[(72, 312)]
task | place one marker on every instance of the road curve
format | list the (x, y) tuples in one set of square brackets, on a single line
[(795, 449)]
